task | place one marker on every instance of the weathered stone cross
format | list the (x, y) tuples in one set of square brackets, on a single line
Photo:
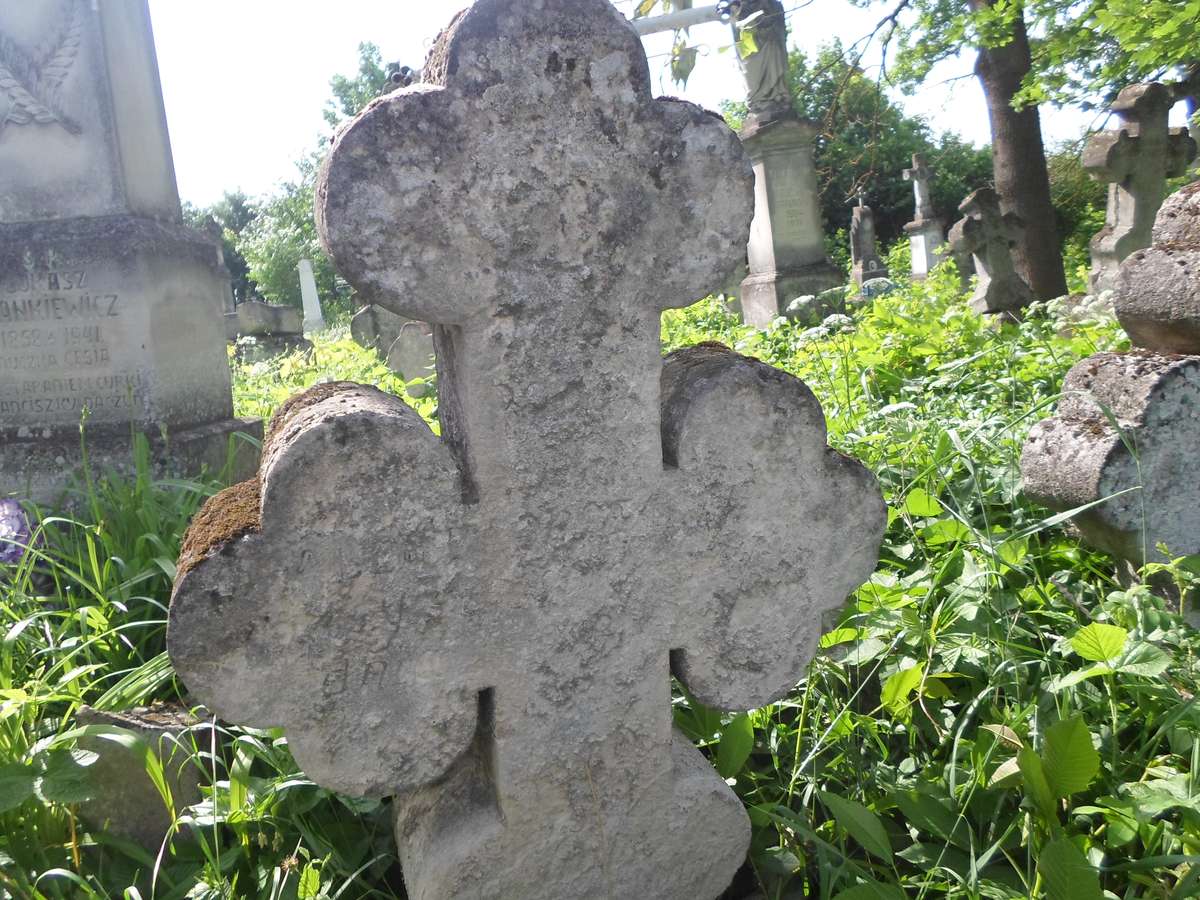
[(921, 175), (989, 236), (1136, 160), (485, 624)]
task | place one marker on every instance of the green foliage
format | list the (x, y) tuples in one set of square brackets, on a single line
[(232, 213), (351, 95), (285, 232)]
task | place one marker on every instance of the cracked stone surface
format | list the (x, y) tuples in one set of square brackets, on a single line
[(485, 624)]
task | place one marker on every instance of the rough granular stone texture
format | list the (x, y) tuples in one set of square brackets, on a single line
[(1158, 290), (1127, 420), (485, 623)]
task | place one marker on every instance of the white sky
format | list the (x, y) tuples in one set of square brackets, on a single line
[(245, 80)]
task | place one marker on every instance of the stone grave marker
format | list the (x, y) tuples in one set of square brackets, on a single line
[(1128, 425), (864, 255), (262, 331), (406, 344), (925, 230), (314, 319), (989, 235), (109, 306), (1136, 160), (485, 624)]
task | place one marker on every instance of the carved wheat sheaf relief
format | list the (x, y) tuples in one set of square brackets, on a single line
[(32, 81)]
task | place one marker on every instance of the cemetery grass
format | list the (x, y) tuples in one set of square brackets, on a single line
[(992, 715)]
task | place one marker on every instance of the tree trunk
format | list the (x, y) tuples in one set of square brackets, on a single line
[(1019, 161)]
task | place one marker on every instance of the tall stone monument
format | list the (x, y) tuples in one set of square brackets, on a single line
[(314, 319), (864, 254), (926, 229), (110, 309), (786, 251), (987, 235), (1136, 160), (489, 620), (1127, 428)]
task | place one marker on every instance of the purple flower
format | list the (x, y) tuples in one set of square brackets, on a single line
[(14, 531)]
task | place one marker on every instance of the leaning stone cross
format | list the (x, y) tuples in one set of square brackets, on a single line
[(1136, 160), (988, 235), (485, 624), (921, 175)]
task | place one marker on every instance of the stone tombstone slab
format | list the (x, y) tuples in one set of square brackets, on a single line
[(411, 354), (1136, 160), (988, 235), (864, 254), (1145, 470), (110, 308), (786, 251), (925, 234), (488, 621)]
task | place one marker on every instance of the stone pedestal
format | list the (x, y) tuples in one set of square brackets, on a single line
[(925, 237), (314, 319), (787, 246), (110, 309), (114, 323)]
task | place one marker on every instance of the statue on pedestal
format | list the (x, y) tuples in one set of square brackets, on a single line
[(769, 96)]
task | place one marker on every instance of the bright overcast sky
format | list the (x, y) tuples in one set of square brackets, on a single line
[(245, 80)]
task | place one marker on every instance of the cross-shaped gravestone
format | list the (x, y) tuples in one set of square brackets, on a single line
[(1136, 161), (925, 230), (989, 235), (485, 624), (921, 176), (864, 256)]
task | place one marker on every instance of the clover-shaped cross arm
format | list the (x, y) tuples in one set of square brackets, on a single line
[(598, 182), (325, 579), (746, 446)]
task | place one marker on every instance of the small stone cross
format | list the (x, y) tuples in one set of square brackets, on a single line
[(1136, 160), (921, 175), (485, 624), (989, 235)]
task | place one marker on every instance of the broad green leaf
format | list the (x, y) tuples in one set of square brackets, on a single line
[(945, 531), (840, 636), (1065, 681), (16, 785), (65, 778), (737, 740), (309, 887), (920, 503), (1066, 873), (873, 891), (899, 688), (929, 814), (1036, 785), (1068, 757), (860, 823), (1099, 642), (1143, 659)]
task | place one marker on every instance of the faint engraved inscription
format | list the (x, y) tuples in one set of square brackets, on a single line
[(32, 79)]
